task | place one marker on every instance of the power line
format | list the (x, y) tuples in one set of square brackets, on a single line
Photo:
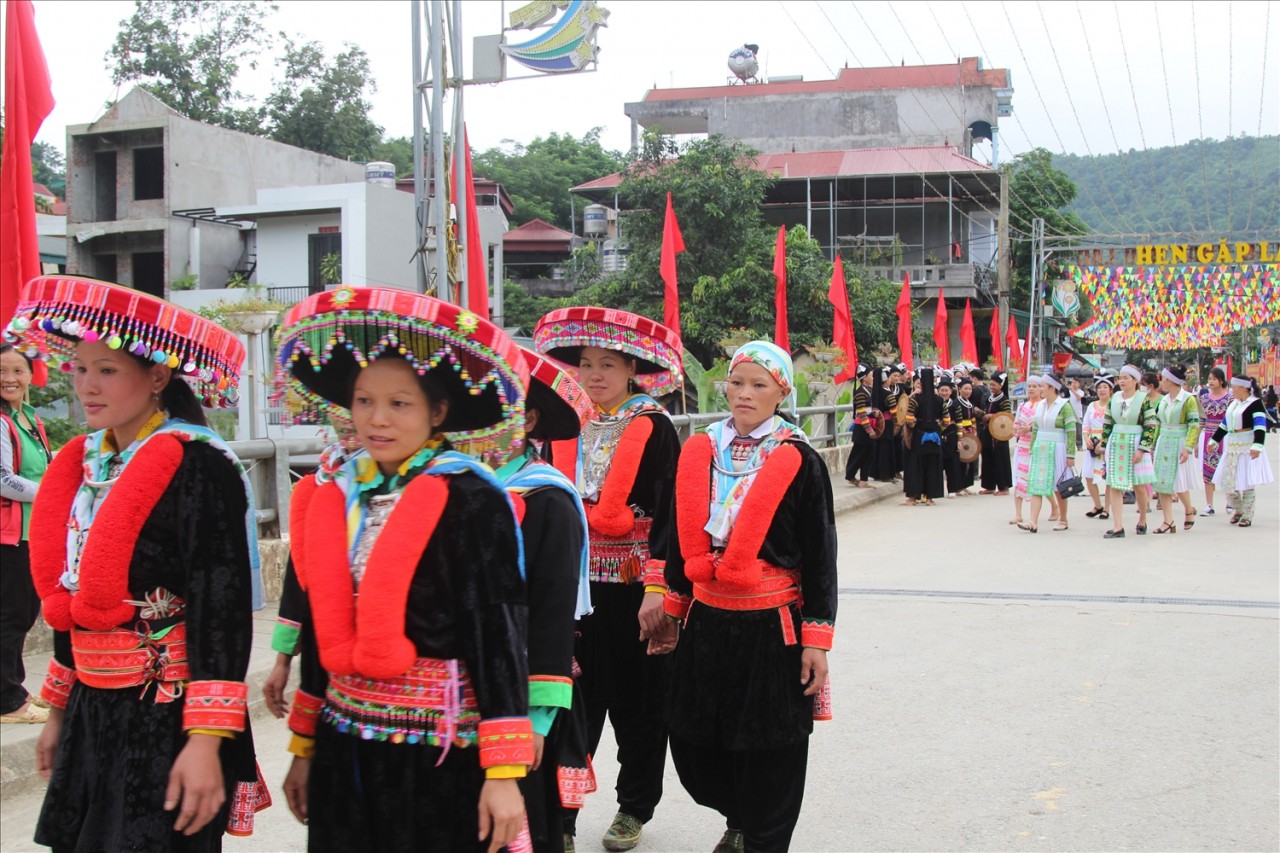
[(1124, 164), (1070, 101), (805, 36), (1204, 166), (1262, 105)]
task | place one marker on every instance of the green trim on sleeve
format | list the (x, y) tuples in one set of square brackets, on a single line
[(284, 637), (550, 693)]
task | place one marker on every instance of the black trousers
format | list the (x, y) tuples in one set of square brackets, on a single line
[(19, 607), (759, 791), (861, 458), (629, 686)]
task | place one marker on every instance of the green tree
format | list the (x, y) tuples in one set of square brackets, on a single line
[(188, 53), (1036, 190), (49, 167), (321, 105), (397, 150), (538, 176)]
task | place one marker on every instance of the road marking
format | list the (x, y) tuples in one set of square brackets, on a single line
[(1060, 596)]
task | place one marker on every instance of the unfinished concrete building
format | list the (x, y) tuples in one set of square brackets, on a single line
[(142, 185)]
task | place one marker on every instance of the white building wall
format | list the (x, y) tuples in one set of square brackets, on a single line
[(282, 247), (390, 241)]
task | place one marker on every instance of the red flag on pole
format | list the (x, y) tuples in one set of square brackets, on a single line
[(997, 348), (941, 333), (1231, 370), (842, 332), (1015, 351), (781, 335), (904, 322), (968, 338), (28, 99), (672, 242), (477, 251)]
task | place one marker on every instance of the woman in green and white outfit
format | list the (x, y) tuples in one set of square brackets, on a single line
[(1053, 448), (1177, 467), (1128, 436)]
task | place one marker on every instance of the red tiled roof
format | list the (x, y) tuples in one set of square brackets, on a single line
[(962, 73), (854, 162), (57, 207), (536, 230)]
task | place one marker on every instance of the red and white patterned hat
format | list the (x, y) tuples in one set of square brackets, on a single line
[(563, 333), (55, 312)]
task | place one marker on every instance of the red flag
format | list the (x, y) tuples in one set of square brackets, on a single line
[(842, 332), (477, 253), (28, 99), (672, 242), (942, 334), (904, 322), (1011, 341), (1231, 370), (997, 348), (781, 335), (968, 338)]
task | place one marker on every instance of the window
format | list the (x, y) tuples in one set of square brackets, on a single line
[(104, 186), (148, 173), (104, 266), (148, 272), (319, 245)]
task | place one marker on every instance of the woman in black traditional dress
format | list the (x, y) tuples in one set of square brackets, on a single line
[(923, 479), (144, 553), (411, 724), (967, 415), (997, 466), (951, 464), (884, 399), (752, 576), (861, 465)]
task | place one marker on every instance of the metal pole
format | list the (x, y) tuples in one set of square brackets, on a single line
[(419, 176), (499, 273), (435, 34), (463, 275), (1002, 279)]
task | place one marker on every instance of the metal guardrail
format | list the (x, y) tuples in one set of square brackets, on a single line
[(271, 463)]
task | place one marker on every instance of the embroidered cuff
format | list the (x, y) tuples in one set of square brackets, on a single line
[(543, 719), (304, 713), (302, 746), (505, 740), (57, 684), (676, 605), (215, 705), (817, 634), (550, 691), (506, 771), (655, 574), (284, 637)]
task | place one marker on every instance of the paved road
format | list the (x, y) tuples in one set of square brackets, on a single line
[(1042, 719)]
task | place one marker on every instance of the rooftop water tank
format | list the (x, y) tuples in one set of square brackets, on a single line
[(595, 220), (380, 174)]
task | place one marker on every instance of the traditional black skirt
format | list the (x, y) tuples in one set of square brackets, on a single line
[(736, 684)]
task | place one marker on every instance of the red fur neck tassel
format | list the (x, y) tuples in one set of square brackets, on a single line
[(564, 456), (382, 649), (367, 636), (611, 516), (299, 503), (740, 563), (108, 547), (48, 540)]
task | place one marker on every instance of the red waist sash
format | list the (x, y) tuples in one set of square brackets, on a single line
[(778, 589), (122, 658)]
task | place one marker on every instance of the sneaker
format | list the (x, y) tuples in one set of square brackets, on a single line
[(731, 842), (569, 846), (623, 834), (1207, 511)]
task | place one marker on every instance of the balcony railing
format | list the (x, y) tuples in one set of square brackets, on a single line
[(289, 295)]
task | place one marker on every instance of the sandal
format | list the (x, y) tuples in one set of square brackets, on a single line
[(1248, 522), (38, 701), (1167, 527), (1113, 534), (1189, 521), (1103, 515), (1060, 528), (1235, 519), (1095, 512), (1016, 521), (31, 714)]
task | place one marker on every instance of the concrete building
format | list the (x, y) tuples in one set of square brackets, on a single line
[(919, 105), (143, 182), (369, 227), (535, 255)]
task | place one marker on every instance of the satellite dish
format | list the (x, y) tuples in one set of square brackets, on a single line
[(743, 63)]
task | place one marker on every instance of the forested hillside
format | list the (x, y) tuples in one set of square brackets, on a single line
[(1209, 188)]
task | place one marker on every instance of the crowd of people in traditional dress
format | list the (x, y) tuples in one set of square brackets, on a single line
[(504, 549), (1131, 438)]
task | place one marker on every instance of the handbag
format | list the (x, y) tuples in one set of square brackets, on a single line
[(1069, 484)]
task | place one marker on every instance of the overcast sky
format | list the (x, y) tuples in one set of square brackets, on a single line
[(1197, 69)]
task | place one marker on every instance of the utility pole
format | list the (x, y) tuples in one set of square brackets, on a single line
[(1002, 280)]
